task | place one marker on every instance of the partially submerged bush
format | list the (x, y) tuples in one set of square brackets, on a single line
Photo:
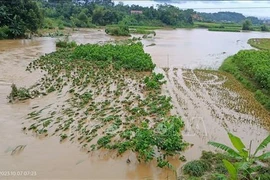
[(4, 31), (18, 94), (65, 44), (196, 168), (118, 31)]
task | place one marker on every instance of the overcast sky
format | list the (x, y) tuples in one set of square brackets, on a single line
[(248, 8)]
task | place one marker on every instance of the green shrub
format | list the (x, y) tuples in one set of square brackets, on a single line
[(154, 81), (129, 57), (4, 31), (118, 31), (196, 168), (65, 44), (18, 93), (61, 27), (225, 29)]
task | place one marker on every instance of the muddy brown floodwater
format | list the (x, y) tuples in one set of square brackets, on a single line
[(206, 100)]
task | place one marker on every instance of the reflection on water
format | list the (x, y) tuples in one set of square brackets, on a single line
[(174, 48)]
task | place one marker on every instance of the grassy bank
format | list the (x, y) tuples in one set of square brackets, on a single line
[(260, 43), (252, 69), (225, 29)]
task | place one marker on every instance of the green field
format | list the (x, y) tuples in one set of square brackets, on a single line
[(260, 43), (252, 69)]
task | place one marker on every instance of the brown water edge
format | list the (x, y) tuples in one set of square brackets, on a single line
[(46, 156)]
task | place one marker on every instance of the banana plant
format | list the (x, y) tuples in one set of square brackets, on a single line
[(244, 156)]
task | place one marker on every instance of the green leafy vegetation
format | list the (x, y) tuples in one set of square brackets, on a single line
[(106, 103), (65, 43), (18, 93), (251, 68), (231, 27), (196, 168), (19, 17), (247, 163), (264, 28), (224, 29), (121, 56), (247, 25), (216, 25), (103, 13), (30, 15), (118, 31), (154, 81), (260, 43), (234, 164)]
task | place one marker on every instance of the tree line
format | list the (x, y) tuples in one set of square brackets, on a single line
[(18, 17)]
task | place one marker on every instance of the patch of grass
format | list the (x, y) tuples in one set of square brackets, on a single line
[(217, 25), (225, 29), (142, 31), (196, 168), (252, 76), (260, 43), (65, 44), (146, 27), (109, 104)]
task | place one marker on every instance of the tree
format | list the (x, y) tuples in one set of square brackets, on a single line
[(247, 160), (20, 16), (264, 28), (247, 25)]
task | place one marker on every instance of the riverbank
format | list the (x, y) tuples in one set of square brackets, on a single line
[(260, 43), (251, 68)]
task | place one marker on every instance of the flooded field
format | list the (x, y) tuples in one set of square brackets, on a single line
[(197, 48), (209, 102)]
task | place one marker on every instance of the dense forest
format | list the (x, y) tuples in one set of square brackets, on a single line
[(30, 15), (17, 17), (20, 17)]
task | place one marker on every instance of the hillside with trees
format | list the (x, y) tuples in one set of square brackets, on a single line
[(18, 17)]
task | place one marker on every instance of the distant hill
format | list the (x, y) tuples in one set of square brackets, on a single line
[(228, 17)]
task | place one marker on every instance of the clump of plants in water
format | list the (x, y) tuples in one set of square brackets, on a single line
[(18, 93), (117, 30), (65, 43), (106, 103), (234, 164)]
